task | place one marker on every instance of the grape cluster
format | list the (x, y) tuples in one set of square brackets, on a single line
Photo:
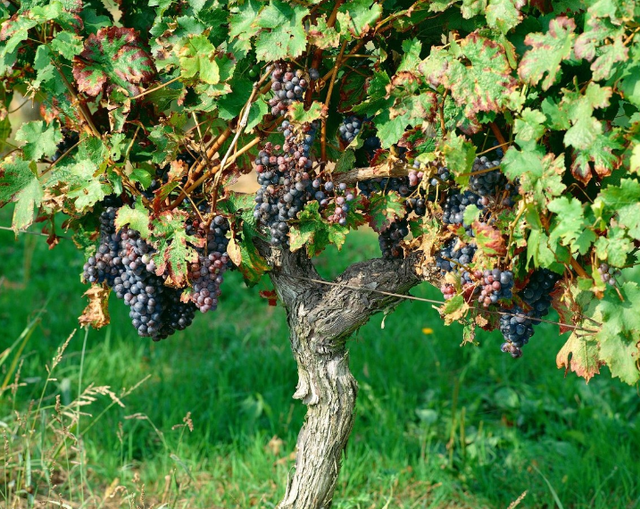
[(484, 180), (70, 139), (287, 87), (288, 182), (415, 201), (496, 284), (207, 273), (455, 205), (124, 262), (350, 128), (516, 325), (609, 274), (455, 256)]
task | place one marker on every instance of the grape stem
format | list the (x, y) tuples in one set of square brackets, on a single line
[(498, 134)]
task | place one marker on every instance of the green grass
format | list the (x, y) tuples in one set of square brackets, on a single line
[(437, 425)]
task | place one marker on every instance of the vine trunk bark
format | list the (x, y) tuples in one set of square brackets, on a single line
[(322, 315)]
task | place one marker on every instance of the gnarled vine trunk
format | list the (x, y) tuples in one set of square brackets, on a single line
[(321, 317)]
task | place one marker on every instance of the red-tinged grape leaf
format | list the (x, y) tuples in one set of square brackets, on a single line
[(283, 35), (113, 55), (19, 183), (40, 139), (547, 53), (476, 71), (504, 14), (96, 314), (323, 36), (174, 252), (489, 239), (314, 231), (384, 209), (358, 17), (566, 306), (598, 157), (270, 295), (581, 355), (136, 218), (454, 309)]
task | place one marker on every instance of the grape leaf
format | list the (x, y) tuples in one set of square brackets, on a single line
[(624, 200), (548, 51), (459, 155), (476, 71), (242, 248), (136, 218), (283, 35), (96, 313), (581, 355), (619, 336), (174, 252), (312, 230), (384, 209), (197, 57), (540, 176), (19, 183), (323, 36), (41, 139), (504, 14), (113, 56), (489, 239), (358, 16), (615, 247), (570, 225)]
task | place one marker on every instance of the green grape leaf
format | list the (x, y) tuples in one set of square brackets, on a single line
[(454, 309), (529, 127), (242, 249), (548, 51), (358, 16), (197, 56), (384, 209), (67, 44), (136, 218), (615, 247), (242, 26), (283, 35), (113, 56), (299, 114), (40, 139), (174, 252), (314, 231), (19, 183), (84, 185), (624, 200), (459, 155), (619, 337), (570, 225), (540, 176)]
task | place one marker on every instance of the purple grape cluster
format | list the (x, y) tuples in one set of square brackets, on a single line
[(517, 326), (455, 256), (287, 87), (124, 262), (287, 183), (455, 205), (484, 180), (350, 128), (391, 237), (609, 274), (496, 284), (207, 273)]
